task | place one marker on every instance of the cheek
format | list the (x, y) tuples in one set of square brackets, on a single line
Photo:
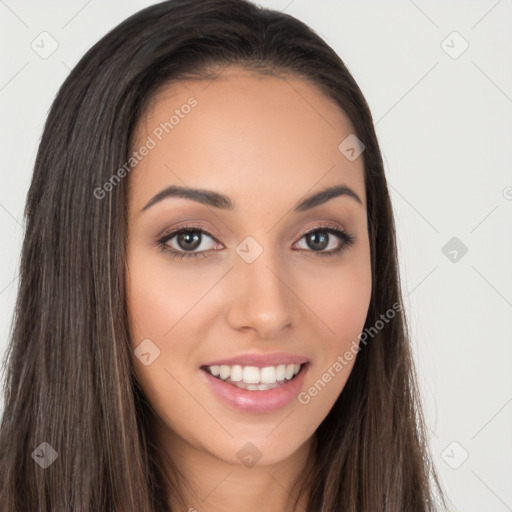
[(158, 303), (341, 298), (153, 313), (160, 297), (343, 303)]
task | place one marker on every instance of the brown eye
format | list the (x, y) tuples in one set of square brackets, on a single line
[(320, 239), (187, 242)]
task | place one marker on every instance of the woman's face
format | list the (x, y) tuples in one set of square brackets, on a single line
[(245, 298)]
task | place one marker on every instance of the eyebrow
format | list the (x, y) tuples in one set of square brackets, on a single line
[(217, 200)]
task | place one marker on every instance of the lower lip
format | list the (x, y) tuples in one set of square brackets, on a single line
[(257, 401)]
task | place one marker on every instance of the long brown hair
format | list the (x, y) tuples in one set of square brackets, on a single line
[(70, 379)]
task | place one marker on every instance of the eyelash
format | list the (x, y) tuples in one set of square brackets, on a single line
[(346, 239)]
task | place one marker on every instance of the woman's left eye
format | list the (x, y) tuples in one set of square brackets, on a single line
[(321, 239), (189, 242)]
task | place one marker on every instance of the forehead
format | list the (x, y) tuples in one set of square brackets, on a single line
[(245, 134)]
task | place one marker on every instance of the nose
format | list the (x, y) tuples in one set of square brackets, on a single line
[(261, 299)]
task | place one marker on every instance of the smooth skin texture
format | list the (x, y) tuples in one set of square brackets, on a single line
[(266, 143)]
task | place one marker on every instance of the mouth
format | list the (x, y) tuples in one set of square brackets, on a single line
[(254, 378), (252, 384)]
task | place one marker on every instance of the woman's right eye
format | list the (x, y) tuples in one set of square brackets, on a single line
[(184, 242)]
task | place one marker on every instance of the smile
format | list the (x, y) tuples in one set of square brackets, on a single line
[(256, 383), (253, 378)]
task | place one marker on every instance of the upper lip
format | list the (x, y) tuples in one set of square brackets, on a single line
[(260, 360)]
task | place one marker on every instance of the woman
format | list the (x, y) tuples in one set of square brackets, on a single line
[(209, 314)]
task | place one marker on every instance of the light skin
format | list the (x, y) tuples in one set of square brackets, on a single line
[(266, 143)]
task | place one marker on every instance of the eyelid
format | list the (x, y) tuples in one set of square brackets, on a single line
[(323, 225), (169, 234), (187, 225)]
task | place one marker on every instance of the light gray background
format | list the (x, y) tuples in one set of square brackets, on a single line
[(445, 132)]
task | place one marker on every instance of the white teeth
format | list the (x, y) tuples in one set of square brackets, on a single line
[(225, 371), (251, 375), (255, 378), (268, 375), (280, 372), (236, 373)]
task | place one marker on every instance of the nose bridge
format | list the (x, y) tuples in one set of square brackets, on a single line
[(261, 299)]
